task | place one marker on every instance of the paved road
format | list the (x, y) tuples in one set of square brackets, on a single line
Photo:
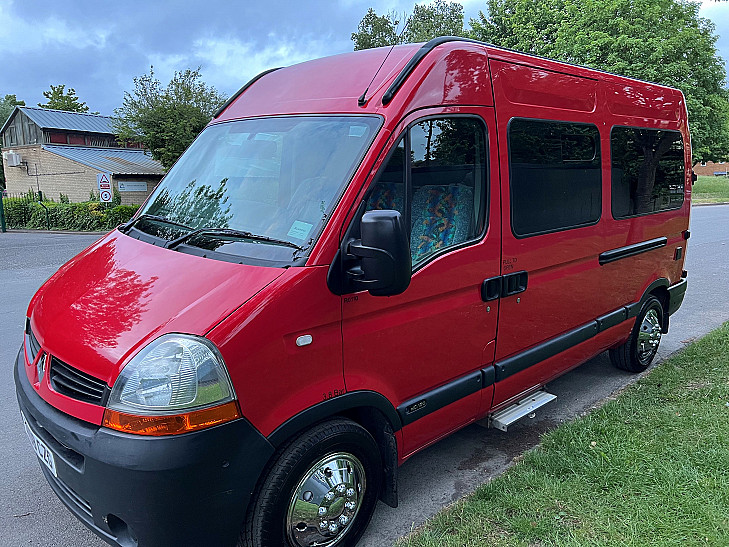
[(30, 514)]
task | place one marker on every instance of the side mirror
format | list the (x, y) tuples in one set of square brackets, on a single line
[(385, 265)]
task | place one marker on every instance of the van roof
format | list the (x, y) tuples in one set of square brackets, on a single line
[(328, 84), (334, 84)]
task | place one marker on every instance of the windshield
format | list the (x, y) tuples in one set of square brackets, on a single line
[(274, 181)]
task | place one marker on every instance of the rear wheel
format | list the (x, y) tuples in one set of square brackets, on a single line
[(321, 490), (637, 353)]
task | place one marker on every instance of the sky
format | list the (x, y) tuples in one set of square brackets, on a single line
[(98, 48)]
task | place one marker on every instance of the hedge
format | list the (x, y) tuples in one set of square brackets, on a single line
[(89, 216)]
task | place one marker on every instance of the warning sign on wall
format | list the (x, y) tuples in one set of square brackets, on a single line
[(104, 181)]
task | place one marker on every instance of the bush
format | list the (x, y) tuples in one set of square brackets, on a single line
[(17, 211), (89, 216)]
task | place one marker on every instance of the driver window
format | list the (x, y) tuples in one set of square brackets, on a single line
[(438, 186)]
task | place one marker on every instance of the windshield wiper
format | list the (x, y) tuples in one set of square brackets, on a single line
[(232, 233), (124, 227)]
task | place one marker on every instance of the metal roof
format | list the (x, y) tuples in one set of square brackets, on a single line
[(117, 161), (69, 121)]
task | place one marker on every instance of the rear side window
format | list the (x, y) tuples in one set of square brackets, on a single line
[(436, 177), (555, 176), (647, 171)]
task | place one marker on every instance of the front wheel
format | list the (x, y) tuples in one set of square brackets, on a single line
[(637, 353), (321, 490)]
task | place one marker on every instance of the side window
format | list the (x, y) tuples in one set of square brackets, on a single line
[(439, 185), (388, 192), (647, 171), (555, 176)]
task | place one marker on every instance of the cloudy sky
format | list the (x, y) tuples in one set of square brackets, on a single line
[(99, 47)]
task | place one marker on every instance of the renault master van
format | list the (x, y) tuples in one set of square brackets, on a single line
[(359, 255)]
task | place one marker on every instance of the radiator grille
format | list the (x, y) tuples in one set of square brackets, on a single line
[(73, 383), (32, 343)]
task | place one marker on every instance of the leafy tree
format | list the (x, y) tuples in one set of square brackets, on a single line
[(530, 26), (440, 18), (376, 30), (663, 41), (166, 120), (7, 105), (60, 99)]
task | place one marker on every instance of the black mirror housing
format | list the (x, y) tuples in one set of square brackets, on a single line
[(384, 251), (379, 262), (385, 230)]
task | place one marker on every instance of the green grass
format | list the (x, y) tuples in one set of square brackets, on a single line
[(650, 467), (710, 190)]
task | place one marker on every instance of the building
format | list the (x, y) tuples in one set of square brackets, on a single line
[(710, 168), (61, 152)]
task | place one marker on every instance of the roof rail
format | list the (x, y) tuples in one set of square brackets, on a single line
[(422, 52), (242, 89)]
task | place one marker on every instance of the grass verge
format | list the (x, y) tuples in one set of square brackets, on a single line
[(710, 190), (650, 467)]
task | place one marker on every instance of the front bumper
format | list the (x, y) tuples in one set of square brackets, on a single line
[(133, 490)]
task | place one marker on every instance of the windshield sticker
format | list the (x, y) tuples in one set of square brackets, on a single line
[(357, 130), (300, 229)]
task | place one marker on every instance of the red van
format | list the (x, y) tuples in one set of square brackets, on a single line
[(358, 256)]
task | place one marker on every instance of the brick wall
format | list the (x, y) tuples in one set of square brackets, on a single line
[(58, 175), (710, 168)]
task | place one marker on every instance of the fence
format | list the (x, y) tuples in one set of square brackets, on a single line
[(17, 209), (32, 211)]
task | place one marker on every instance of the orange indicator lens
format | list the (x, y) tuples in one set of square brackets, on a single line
[(171, 424)]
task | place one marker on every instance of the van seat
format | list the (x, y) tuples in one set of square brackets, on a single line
[(386, 195), (441, 217)]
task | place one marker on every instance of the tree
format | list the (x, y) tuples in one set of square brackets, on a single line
[(528, 26), (7, 105), (60, 99), (662, 41), (376, 30), (440, 18), (166, 120)]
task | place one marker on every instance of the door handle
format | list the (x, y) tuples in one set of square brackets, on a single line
[(491, 289), (504, 285), (514, 283)]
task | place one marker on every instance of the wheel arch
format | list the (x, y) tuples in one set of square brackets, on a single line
[(369, 409), (659, 289)]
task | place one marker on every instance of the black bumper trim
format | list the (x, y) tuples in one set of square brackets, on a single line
[(676, 294), (191, 489)]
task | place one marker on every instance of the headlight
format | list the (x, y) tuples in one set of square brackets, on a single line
[(178, 383)]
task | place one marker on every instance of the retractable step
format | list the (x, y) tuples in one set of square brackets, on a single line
[(504, 418)]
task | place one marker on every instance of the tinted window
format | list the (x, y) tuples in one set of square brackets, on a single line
[(647, 171), (439, 185), (555, 176)]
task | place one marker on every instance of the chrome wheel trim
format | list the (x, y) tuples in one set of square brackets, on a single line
[(326, 501), (649, 336)]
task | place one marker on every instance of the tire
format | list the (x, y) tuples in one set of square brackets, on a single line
[(637, 353), (328, 476)]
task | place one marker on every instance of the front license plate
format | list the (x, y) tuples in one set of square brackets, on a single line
[(41, 449)]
